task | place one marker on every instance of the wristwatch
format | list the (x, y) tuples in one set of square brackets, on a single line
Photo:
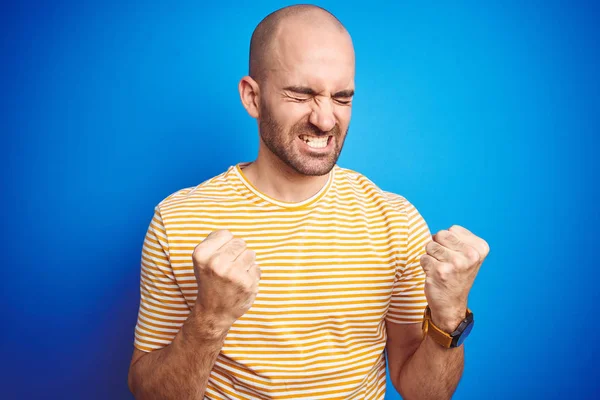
[(445, 339)]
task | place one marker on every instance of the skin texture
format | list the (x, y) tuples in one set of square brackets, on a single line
[(301, 82)]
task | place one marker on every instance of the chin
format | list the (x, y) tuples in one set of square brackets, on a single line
[(314, 168)]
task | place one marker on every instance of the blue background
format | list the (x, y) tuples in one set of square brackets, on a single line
[(482, 114)]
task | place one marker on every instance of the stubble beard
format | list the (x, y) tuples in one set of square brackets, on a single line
[(281, 144)]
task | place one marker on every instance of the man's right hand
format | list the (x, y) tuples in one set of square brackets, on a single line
[(227, 277)]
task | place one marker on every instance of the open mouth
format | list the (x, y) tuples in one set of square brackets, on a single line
[(316, 142)]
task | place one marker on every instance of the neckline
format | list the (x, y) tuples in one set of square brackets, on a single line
[(284, 204)]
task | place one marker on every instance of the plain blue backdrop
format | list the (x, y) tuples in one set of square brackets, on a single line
[(482, 114)]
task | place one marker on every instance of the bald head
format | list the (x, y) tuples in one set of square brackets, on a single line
[(298, 19), (300, 89)]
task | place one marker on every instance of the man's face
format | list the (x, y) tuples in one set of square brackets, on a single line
[(306, 98)]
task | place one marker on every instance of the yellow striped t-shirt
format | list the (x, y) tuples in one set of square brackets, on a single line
[(334, 268)]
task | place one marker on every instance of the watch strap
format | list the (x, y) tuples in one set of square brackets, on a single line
[(439, 336)]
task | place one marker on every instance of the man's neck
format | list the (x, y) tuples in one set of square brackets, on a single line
[(280, 182)]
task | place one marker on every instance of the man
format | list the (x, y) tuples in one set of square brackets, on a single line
[(289, 276)]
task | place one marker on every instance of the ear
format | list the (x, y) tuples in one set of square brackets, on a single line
[(249, 93)]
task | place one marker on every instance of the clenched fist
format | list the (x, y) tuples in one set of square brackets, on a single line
[(227, 276), (452, 261)]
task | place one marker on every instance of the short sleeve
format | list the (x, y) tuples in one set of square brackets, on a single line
[(163, 308), (408, 295)]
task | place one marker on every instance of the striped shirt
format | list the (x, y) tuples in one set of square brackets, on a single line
[(335, 268)]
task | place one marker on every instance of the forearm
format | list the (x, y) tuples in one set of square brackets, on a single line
[(432, 372), (180, 370)]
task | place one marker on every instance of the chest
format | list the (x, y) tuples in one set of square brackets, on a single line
[(319, 265), (325, 288)]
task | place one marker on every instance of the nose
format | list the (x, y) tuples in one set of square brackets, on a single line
[(322, 116)]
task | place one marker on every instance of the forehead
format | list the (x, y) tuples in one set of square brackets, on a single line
[(322, 59)]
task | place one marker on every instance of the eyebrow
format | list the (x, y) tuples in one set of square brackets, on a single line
[(308, 91), (344, 93)]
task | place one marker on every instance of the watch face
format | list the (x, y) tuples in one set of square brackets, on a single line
[(465, 333)]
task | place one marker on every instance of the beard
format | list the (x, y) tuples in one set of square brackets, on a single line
[(284, 144)]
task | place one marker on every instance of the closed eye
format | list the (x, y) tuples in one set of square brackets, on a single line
[(300, 99), (344, 102), (344, 97)]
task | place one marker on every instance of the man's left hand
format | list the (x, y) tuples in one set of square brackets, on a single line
[(451, 264)]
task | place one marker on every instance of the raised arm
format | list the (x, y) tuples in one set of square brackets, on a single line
[(428, 369), (227, 278)]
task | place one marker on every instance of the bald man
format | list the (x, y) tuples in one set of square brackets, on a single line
[(289, 276)]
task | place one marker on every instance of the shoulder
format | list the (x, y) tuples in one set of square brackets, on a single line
[(356, 181), (214, 191)]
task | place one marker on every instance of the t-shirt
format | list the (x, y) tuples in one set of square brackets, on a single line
[(335, 268)]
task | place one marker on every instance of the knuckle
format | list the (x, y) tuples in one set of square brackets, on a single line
[(251, 254), (425, 261), (471, 254), (223, 234), (214, 262), (198, 253), (429, 247), (443, 233), (445, 272), (452, 238), (454, 260), (463, 263), (454, 228), (449, 237), (217, 233), (437, 250), (197, 250), (237, 242), (486, 247)]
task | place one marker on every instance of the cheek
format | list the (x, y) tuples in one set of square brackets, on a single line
[(293, 115), (295, 112), (343, 116)]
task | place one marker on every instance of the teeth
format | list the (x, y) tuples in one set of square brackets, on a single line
[(315, 142)]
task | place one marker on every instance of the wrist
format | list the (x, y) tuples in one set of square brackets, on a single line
[(448, 320), (208, 324)]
